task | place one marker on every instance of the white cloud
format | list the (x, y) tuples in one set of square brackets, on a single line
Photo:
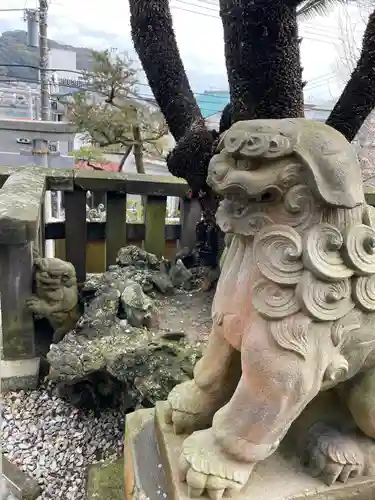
[(100, 25)]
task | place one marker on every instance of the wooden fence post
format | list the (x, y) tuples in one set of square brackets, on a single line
[(155, 224), (115, 225), (75, 231)]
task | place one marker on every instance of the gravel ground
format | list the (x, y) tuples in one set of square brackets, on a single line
[(187, 312), (54, 442)]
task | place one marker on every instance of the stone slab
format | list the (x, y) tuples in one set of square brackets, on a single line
[(105, 481), (280, 477), (16, 375), (18, 483), (143, 471), (42, 130), (21, 197), (151, 469)]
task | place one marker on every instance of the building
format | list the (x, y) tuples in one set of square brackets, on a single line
[(212, 102), (65, 77)]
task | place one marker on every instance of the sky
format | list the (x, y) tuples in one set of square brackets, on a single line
[(100, 25)]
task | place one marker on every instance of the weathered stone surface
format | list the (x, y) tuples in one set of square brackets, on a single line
[(162, 282), (144, 475), (17, 483), (292, 351), (279, 477), (139, 309), (148, 365), (180, 276), (56, 295), (18, 340), (112, 344), (20, 204), (132, 255)]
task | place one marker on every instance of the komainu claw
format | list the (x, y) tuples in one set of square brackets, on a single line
[(168, 415), (179, 427), (183, 468), (210, 469), (194, 492), (215, 494)]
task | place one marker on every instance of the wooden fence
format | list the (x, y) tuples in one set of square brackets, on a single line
[(154, 234)]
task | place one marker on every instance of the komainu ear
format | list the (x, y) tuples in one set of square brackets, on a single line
[(331, 164)]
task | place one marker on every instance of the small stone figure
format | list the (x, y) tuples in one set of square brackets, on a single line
[(293, 314), (56, 295)]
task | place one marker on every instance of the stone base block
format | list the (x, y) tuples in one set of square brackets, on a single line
[(16, 484), (19, 374), (144, 474), (151, 469)]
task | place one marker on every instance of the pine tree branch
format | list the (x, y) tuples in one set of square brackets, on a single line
[(155, 43), (358, 97)]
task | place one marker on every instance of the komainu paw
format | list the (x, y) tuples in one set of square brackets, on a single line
[(331, 455), (190, 409), (208, 470)]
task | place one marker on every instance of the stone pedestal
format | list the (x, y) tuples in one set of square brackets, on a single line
[(15, 484), (151, 469)]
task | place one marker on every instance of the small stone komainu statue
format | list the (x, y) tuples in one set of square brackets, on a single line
[(293, 316), (56, 295)]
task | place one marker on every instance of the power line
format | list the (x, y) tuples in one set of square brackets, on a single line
[(207, 13), (141, 97), (208, 95), (197, 5), (321, 78)]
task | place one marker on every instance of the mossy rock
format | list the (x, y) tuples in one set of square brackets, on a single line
[(106, 481)]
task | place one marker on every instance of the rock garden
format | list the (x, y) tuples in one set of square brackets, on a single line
[(141, 326)]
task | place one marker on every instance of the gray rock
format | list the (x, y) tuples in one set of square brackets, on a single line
[(112, 357), (162, 282), (180, 276), (148, 365), (138, 308), (134, 256)]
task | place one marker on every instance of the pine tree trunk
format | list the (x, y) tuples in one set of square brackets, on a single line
[(137, 149), (263, 58), (262, 51), (124, 158), (358, 98)]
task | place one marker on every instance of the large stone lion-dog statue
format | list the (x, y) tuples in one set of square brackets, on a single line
[(293, 314)]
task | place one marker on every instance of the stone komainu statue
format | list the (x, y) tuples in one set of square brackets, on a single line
[(293, 315), (56, 294)]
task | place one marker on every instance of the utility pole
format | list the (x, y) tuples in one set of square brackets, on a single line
[(43, 51), (45, 108)]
